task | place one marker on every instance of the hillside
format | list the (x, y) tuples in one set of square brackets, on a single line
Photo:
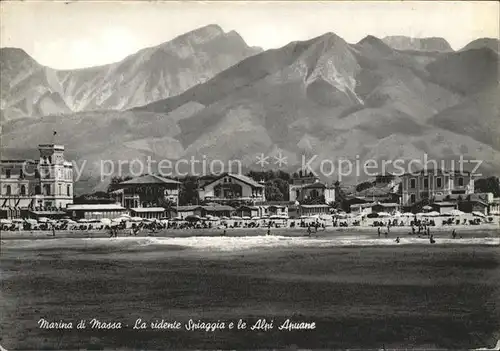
[(29, 89), (491, 43), (321, 98), (419, 44)]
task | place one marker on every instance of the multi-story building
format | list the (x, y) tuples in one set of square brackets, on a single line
[(307, 188), (43, 186), (148, 195), (232, 188), (427, 184)]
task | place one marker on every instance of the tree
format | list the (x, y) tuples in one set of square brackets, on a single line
[(188, 193), (363, 186), (273, 192), (488, 185)]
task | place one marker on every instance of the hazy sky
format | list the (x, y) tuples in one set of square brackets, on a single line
[(82, 34)]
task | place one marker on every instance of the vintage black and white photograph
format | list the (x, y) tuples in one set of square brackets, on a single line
[(232, 175)]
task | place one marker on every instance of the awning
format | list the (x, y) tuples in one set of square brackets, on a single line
[(48, 213), (148, 209)]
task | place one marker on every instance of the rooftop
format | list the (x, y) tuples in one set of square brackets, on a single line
[(95, 207), (149, 179)]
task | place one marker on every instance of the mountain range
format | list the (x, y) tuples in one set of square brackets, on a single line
[(324, 98), (30, 89)]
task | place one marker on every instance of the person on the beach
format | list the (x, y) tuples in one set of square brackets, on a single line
[(454, 234), (385, 234), (53, 230), (388, 226), (309, 231), (224, 234), (268, 230), (431, 239), (378, 230), (412, 229), (397, 239), (428, 230)]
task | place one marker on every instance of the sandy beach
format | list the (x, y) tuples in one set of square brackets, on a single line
[(361, 291)]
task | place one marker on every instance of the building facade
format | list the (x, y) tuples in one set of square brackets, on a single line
[(41, 185), (427, 184), (232, 188), (147, 192), (307, 188)]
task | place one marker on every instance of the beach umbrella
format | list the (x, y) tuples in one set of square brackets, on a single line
[(420, 214), (433, 214), (224, 218), (31, 221), (246, 217), (43, 219), (478, 214), (135, 219), (106, 221), (255, 218), (397, 214), (456, 213), (235, 217), (83, 220), (5, 221), (408, 214)]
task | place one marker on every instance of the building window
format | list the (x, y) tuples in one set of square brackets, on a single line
[(413, 183), (38, 190), (50, 159), (37, 174), (426, 183), (439, 182), (60, 190), (23, 190), (21, 174), (460, 181), (8, 190), (412, 198), (7, 173), (46, 189), (68, 190)]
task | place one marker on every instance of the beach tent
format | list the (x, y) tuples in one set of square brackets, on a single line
[(43, 219), (397, 214), (384, 214), (135, 219), (5, 221), (106, 221), (225, 218), (83, 220), (255, 218), (235, 217), (433, 214), (408, 214), (246, 217), (456, 213)]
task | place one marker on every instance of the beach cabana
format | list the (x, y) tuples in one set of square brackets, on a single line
[(456, 213)]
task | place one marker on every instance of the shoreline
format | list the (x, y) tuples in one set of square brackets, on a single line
[(464, 231)]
